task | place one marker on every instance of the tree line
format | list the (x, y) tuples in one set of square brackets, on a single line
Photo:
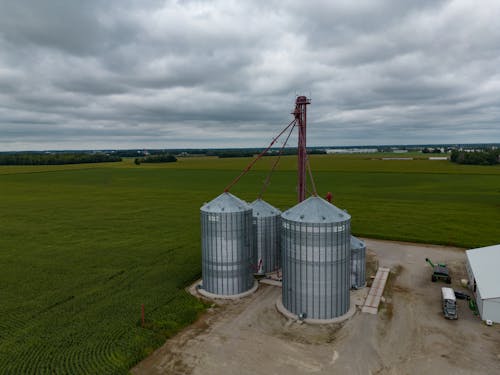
[(242, 153), (56, 159), (221, 153), (165, 158), (485, 157)]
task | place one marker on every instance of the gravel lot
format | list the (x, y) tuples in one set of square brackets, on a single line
[(408, 336)]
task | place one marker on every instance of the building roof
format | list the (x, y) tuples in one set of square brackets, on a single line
[(485, 265), (316, 210), (226, 203)]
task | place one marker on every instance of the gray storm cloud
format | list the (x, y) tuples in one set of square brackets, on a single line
[(129, 74)]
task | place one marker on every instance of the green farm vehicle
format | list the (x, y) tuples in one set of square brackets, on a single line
[(439, 272)]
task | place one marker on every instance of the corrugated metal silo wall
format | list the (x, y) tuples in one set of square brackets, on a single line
[(316, 268), (267, 242), (358, 267), (227, 252)]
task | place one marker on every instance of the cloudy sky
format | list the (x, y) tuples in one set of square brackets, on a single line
[(152, 74)]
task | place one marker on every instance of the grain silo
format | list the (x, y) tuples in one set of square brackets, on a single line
[(267, 237), (358, 263), (316, 255), (227, 246)]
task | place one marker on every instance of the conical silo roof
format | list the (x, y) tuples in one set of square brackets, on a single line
[(356, 243), (226, 203), (263, 209), (316, 210)]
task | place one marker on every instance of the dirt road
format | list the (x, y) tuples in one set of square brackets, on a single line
[(408, 336)]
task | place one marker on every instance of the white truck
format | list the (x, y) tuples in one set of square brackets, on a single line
[(449, 303)]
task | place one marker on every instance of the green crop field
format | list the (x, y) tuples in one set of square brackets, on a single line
[(83, 246)]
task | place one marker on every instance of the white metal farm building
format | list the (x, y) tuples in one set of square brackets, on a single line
[(483, 268)]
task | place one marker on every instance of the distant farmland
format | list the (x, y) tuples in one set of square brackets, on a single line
[(83, 246)]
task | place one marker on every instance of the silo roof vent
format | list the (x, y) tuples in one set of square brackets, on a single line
[(263, 209), (356, 243)]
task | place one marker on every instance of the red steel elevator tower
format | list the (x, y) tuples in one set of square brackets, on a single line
[(300, 114)]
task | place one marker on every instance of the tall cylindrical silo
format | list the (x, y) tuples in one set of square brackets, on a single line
[(358, 263), (316, 255), (227, 246), (267, 236)]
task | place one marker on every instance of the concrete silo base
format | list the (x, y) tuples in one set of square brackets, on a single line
[(206, 294), (287, 314)]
